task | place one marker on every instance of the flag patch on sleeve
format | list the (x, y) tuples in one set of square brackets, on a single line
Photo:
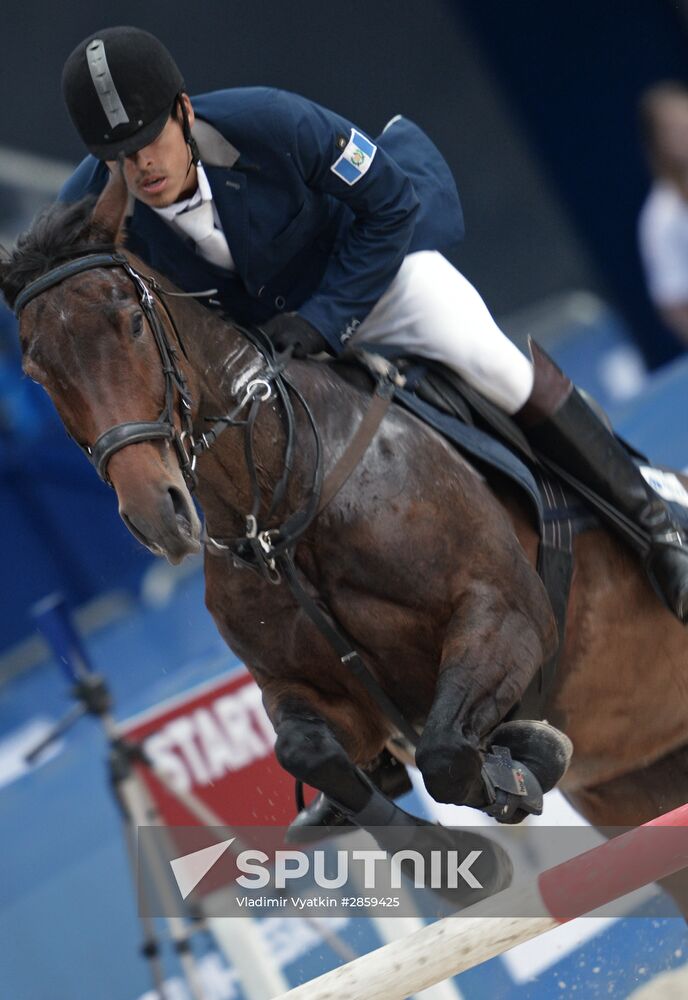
[(356, 158)]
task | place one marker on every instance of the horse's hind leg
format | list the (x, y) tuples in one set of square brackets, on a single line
[(637, 798)]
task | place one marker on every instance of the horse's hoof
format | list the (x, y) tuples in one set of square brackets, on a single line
[(396, 830), (524, 760), (513, 792), (317, 821), (544, 750)]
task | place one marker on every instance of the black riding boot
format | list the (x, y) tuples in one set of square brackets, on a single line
[(563, 428)]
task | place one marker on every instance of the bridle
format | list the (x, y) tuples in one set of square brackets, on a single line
[(271, 378), (176, 389), (263, 546)]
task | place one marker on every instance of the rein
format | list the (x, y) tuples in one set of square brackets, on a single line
[(270, 551)]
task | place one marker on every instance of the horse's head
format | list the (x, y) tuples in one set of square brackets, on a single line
[(91, 339)]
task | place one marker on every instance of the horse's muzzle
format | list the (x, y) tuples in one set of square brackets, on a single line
[(168, 527)]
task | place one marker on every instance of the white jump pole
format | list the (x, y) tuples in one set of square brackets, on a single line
[(455, 944)]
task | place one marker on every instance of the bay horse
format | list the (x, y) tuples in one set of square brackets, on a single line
[(426, 566)]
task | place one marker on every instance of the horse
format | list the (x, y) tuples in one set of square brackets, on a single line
[(425, 564)]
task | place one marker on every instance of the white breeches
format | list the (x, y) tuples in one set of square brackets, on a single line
[(431, 309)]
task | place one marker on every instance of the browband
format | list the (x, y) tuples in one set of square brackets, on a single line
[(58, 274)]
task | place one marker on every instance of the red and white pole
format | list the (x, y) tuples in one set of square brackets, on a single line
[(455, 944)]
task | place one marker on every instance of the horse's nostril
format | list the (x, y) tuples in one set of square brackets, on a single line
[(181, 509)]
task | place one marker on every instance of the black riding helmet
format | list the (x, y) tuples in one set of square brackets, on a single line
[(120, 86)]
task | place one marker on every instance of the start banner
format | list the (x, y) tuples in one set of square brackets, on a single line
[(216, 741)]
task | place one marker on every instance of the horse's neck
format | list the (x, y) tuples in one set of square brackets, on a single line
[(221, 359), (220, 362)]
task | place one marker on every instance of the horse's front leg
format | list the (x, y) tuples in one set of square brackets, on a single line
[(309, 749), (492, 649)]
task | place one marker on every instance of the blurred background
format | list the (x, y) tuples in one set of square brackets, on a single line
[(534, 105)]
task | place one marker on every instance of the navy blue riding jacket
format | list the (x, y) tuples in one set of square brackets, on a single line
[(317, 216)]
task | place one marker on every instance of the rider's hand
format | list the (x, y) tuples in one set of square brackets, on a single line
[(291, 330)]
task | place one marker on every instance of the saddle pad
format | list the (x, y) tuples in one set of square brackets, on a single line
[(477, 444)]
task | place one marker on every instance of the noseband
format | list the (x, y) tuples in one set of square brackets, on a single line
[(134, 431)]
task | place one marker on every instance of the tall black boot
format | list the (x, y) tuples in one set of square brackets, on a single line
[(563, 428)]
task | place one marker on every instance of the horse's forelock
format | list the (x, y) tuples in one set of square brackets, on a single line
[(53, 237)]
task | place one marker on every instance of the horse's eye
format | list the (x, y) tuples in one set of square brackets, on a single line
[(137, 324)]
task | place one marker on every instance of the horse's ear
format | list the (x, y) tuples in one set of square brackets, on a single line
[(111, 208)]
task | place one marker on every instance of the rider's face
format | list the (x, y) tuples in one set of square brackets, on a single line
[(159, 173)]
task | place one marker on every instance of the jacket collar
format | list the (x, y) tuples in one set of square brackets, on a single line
[(217, 155), (213, 148)]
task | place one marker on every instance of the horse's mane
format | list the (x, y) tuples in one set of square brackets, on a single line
[(60, 232)]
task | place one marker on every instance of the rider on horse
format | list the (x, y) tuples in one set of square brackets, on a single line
[(301, 223), (307, 226)]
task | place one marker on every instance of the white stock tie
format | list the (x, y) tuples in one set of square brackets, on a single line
[(199, 224)]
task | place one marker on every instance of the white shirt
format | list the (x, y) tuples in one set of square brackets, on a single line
[(198, 218), (663, 244)]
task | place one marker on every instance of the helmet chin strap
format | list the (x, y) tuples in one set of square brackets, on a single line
[(188, 138)]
